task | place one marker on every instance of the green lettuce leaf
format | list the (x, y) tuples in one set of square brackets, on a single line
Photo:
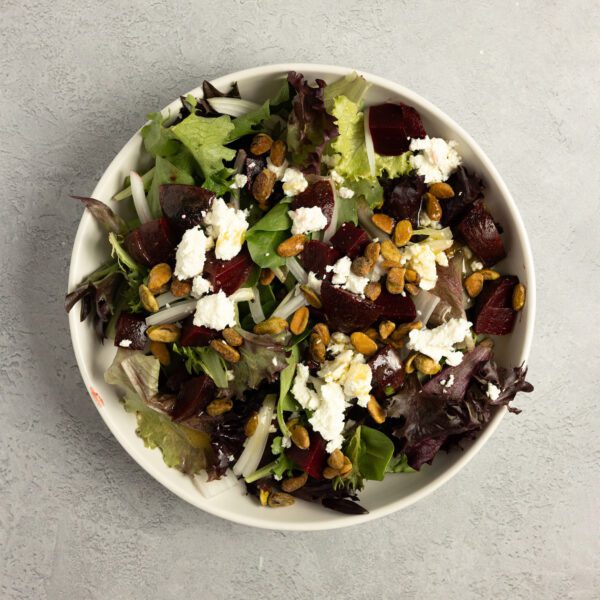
[(159, 140), (368, 190), (177, 169), (353, 86), (399, 464), (393, 166), (203, 359), (250, 122), (264, 237)]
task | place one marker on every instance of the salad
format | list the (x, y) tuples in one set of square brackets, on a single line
[(304, 295)]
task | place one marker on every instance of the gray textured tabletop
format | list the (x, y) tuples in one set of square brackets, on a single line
[(79, 519)]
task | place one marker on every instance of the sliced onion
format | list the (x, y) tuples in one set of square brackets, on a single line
[(235, 107), (210, 489), (250, 458), (425, 303), (126, 193), (369, 142), (281, 273), (364, 218), (139, 198), (167, 298), (297, 270), (285, 309), (242, 295), (173, 314), (258, 316), (333, 225)]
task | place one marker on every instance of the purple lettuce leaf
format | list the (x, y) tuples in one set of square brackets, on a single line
[(449, 289), (467, 187)]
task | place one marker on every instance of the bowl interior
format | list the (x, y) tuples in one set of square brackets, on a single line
[(380, 498)]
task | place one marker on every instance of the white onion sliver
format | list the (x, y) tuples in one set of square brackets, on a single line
[(235, 107), (242, 295), (166, 298), (364, 218), (297, 270), (284, 310), (258, 316), (425, 304), (139, 198), (126, 193), (210, 489), (173, 314), (281, 273), (370, 148), (333, 225)]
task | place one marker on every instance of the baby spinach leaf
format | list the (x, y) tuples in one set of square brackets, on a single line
[(376, 451), (264, 237)]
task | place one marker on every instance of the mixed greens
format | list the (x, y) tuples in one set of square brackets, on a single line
[(305, 299)]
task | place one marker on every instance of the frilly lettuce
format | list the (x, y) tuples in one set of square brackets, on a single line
[(353, 86)]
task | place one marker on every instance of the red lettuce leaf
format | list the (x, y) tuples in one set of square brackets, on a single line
[(449, 289)]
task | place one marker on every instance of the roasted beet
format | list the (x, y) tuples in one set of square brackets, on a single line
[(318, 255), (345, 311), (193, 397), (318, 194), (131, 332), (468, 188), (184, 205), (392, 126), (312, 460), (228, 275), (481, 234), (350, 240), (152, 243), (402, 198), (395, 307), (493, 312), (388, 372), (192, 335)]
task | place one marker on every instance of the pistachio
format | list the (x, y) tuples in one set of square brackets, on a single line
[(347, 468), (261, 144), (262, 186), (161, 351), (412, 289), (363, 343), (390, 252), (361, 266), (402, 232), (426, 365), (372, 252), (225, 351), (263, 496), (148, 300), (167, 333), (489, 274), (373, 290), (266, 276), (299, 320), (292, 246), (403, 330), (376, 411), (232, 337), (371, 333), (336, 460), (395, 280), (219, 407), (441, 190), (316, 347), (330, 473), (433, 207), (311, 296), (291, 484), (390, 264), (474, 284), (279, 499), (383, 222), (409, 366), (518, 297), (159, 278), (181, 288), (412, 276), (272, 326), (277, 154), (385, 329), (251, 424), (300, 437), (323, 332)]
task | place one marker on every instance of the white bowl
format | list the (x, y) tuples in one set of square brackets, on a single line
[(380, 498)]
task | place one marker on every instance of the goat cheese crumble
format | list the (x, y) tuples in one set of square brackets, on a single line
[(200, 286), (125, 343), (191, 254), (306, 219), (493, 391), (344, 277), (239, 181), (439, 342), (434, 158), (314, 283), (227, 225), (294, 182), (215, 311)]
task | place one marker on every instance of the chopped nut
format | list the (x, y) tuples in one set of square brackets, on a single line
[(159, 278), (391, 264), (277, 154), (316, 347), (408, 363), (433, 207), (385, 329), (181, 288), (373, 290), (261, 144), (219, 407), (251, 425), (372, 252), (363, 343), (225, 351), (279, 499), (232, 337), (489, 274), (474, 284), (291, 484), (441, 190), (272, 326), (330, 473), (161, 351), (262, 186), (266, 276), (376, 411), (383, 222), (347, 468), (371, 333), (167, 333), (402, 232), (336, 460), (412, 289), (292, 246), (518, 297), (390, 252), (426, 365), (323, 332), (299, 321), (311, 296), (300, 437), (361, 266), (403, 330), (395, 280), (412, 276), (148, 300)]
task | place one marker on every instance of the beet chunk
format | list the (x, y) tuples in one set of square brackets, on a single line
[(318, 194), (481, 234), (350, 240), (152, 243), (468, 188), (183, 205), (345, 311), (395, 307), (228, 275), (402, 198), (392, 126), (131, 328), (316, 256), (193, 397), (192, 335), (311, 460), (388, 372), (493, 311)]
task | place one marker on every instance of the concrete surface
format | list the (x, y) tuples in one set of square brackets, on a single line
[(78, 519)]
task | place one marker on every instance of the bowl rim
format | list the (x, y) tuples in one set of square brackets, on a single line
[(395, 505)]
